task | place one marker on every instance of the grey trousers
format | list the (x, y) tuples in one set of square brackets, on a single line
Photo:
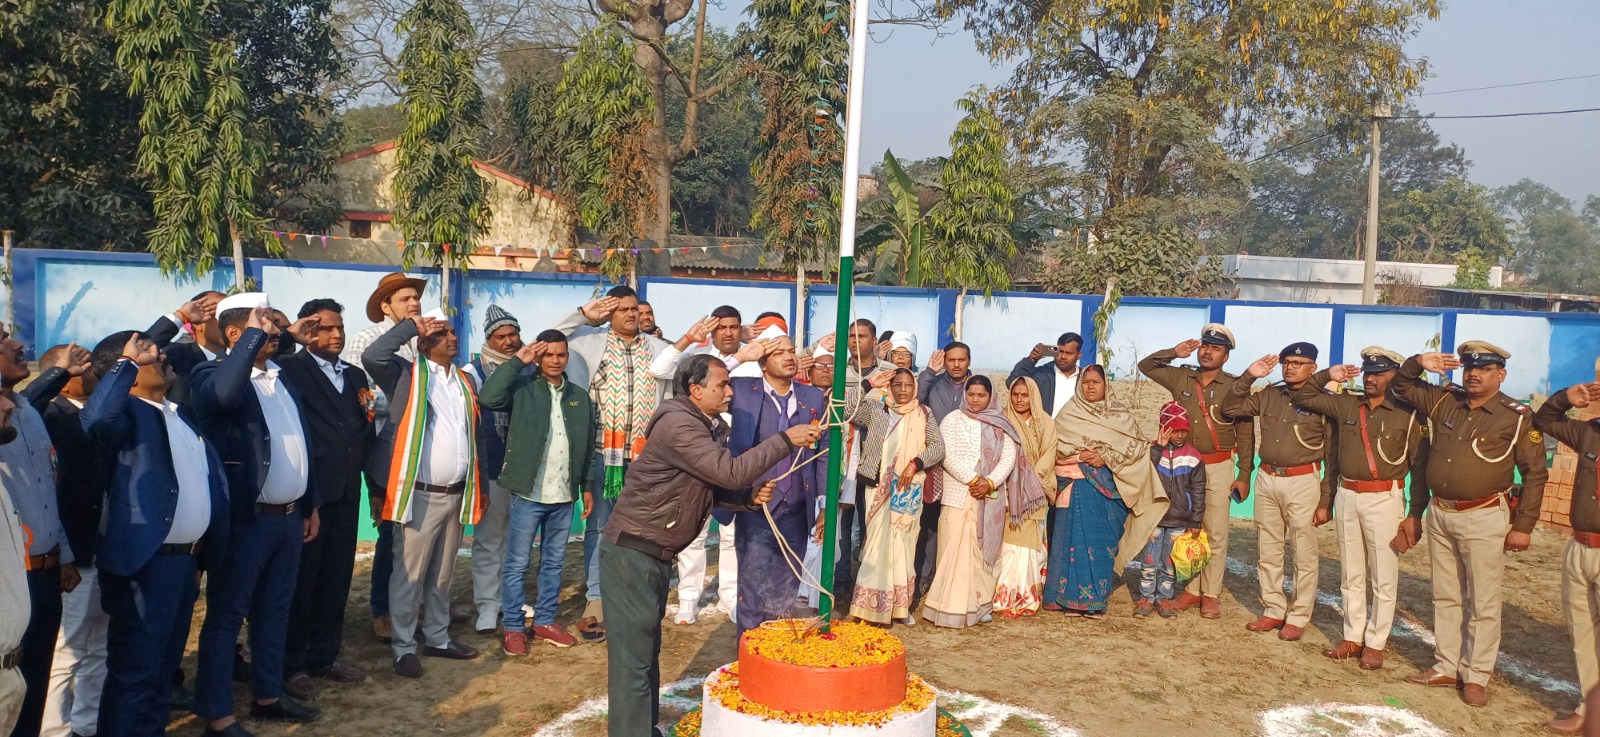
[(424, 562), (636, 601)]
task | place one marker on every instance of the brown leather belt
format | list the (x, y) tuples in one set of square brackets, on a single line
[(1271, 470), (179, 548), (275, 510), (1468, 505), (1367, 487), (44, 561), (1587, 539), (1221, 456), (11, 659), (455, 488)]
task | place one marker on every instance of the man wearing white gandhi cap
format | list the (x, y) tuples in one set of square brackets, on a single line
[(428, 457), (253, 418)]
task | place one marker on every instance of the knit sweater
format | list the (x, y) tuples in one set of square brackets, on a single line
[(963, 452)]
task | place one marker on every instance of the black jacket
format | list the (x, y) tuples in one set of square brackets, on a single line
[(230, 415), (182, 357), (340, 436), (82, 470)]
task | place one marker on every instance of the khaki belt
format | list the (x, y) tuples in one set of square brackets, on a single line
[(275, 510), (455, 488), (1587, 539), (1368, 487), (11, 659), (1301, 470), (1221, 456), (44, 561), (1468, 505)]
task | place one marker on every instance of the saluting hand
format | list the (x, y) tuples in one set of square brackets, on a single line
[(140, 350), (531, 352), (261, 319), (1583, 395), (936, 362), (806, 362), (1186, 348), (303, 329), (1439, 363), (599, 309), (426, 326), (881, 379), (199, 311), (1263, 366), (74, 360), (700, 330), (1343, 372)]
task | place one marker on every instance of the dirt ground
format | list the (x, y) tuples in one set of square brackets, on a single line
[(1116, 677)]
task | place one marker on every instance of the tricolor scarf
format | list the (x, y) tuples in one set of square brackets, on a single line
[(626, 394), (409, 433)]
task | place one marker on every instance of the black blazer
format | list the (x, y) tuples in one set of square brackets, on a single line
[(182, 357), (82, 471), (340, 436), (225, 405)]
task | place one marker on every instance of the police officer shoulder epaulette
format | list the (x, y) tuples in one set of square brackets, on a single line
[(1455, 388), (1190, 367), (1515, 405)]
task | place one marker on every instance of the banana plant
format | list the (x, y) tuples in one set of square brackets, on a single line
[(899, 232)]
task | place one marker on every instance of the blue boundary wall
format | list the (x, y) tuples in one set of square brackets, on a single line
[(63, 296)]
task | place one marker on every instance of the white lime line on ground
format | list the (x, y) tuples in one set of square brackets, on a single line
[(1357, 720)]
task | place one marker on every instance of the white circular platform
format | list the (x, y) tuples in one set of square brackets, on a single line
[(719, 721)]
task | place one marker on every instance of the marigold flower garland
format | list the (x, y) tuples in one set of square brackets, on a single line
[(725, 689), (848, 646)]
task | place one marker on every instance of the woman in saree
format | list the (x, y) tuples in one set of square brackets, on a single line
[(901, 442), (1019, 576), (1105, 476), (988, 487)]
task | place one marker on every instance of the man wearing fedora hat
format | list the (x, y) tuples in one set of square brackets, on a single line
[(1294, 444), (1481, 439), (398, 297), (1228, 447), (1380, 445)]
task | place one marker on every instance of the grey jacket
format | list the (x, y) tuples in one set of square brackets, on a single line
[(876, 419)]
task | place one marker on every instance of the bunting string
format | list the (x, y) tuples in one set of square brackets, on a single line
[(288, 236)]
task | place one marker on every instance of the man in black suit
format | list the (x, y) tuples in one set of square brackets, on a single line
[(340, 432), (1057, 380), (253, 418)]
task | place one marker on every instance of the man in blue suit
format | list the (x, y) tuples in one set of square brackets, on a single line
[(253, 418), (761, 408), (165, 516)]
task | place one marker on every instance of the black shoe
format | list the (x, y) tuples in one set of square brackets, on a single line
[(284, 709), (182, 698), (408, 666), (452, 650), (233, 730), (241, 667)]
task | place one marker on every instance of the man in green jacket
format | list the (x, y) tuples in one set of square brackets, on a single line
[(549, 448)]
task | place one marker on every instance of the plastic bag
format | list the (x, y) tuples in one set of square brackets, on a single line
[(1190, 554)]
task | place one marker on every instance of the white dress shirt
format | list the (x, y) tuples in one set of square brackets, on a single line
[(446, 450), (1066, 387), (666, 362), (334, 371), (193, 513), (553, 485), (289, 468)]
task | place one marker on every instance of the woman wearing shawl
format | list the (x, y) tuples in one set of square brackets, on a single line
[(901, 441), (987, 489), (1105, 476), (1019, 577)]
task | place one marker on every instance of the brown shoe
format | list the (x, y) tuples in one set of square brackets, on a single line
[(300, 687), (1210, 607), (1343, 651), (1291, 633), (341, 672), (1434, 679), (1474, 695), (1571, 725), (1185, 600), (382, 629), (1371, 659), (1264, 624)]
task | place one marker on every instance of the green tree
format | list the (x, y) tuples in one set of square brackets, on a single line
[(896, 233), (1148, 93), (713, 191), (970, 237), (1161, 263), (1445, 222), (441, 202), (801, 51), (1556, 245)]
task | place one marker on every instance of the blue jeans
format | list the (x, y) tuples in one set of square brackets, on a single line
[(1157, 577), (551, 522), (594, 526)]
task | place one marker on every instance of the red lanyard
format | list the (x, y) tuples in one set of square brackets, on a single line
[(1366, 443), (1200, 396)]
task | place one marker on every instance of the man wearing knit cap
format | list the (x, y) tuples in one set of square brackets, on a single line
[(398, 297), (1380, 444), (1294, 444), (1228, 447), (502, 338), (1481, 439)]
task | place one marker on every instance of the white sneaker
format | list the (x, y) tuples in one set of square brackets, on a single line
[(686, 617), (909, 621)]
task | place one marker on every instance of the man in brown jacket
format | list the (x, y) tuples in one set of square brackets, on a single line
[(683, 470)]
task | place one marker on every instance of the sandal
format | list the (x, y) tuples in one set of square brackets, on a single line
[(592, 630)]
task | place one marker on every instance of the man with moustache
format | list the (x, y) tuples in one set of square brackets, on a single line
[(1058, 380), (14, 597), (502, 339)]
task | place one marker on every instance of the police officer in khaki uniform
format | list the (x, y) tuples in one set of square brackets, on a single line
[(1289, 487), (1227, 447), (1480, 438), (1580, 569), (1380, 442)]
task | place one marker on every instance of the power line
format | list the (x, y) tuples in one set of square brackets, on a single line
[(1494, 115), (1513, 84), (1271, 154)]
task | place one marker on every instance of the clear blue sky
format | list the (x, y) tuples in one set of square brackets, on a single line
[(914, 78)]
